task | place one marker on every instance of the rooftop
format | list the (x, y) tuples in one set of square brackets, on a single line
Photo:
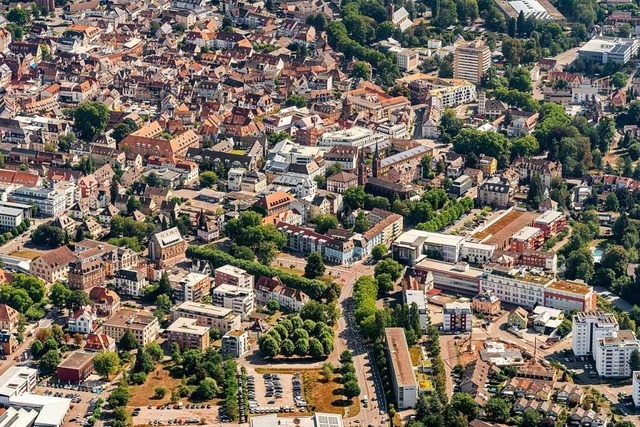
[(188, 326), (396, 344), (573, 287)]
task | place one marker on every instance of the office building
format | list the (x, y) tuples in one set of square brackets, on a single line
[(209, 315), (76, 367), (235, 343), (456, 316), (410, 246), (471, 61), (49, 201), (589, 327), (608, 49), (188, 334), (403, 379), (10, 217)]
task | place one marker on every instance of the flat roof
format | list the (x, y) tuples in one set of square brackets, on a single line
[(77, 360), (573, 287), (450, 268), (548, 217), (400, 357), (526, 233), (204, 309), (185, 325), (419, 297), (132, 319)]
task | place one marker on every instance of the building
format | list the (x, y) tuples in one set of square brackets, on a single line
[(188, 334), (228, 274), (518, 318), (10, 217), (588, 327), (460, 186), (105, 301), (84, 320), (53, 266), (194, 286), (635, 388), (17, 381), (486, 303), (456, 316), (551, 223), (86, 271), (459, 277), (569, 295), (235, 344), (268, 289), (144, 325), (528, 238), (240, 300), (339, 182), (411, 245), (50, 201), (130, 282), (8, 342), (403, 379), (471, 61), (407, 59), (608, 49), (612, 354), (9, 318), (167, 247), (495, 192), (515, 285), (76, 367), (209, 315), (419, 298)]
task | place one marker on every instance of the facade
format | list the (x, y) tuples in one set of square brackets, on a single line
[(268, 289), (495, 192), (456, 316), (235, 344), (471, 61), (419, 298), (83, 321), (588, 327), (76, 367), (194, 286), (53, 266), (528, 238), (410, 246), (50, 201), (209, 315), (612, 354), (403, 379), (167, 247), (86, 272), (144, 325), (551, 223), (635, 388), (486, 303), (240, 300), (231, 275), (130, 282), (10, 217), (9, 318), (188, 334), (608, 49), (339, 182)]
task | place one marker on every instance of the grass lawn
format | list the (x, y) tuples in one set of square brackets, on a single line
[(416, 355), (142, 395), (27, 254), (326, 396)]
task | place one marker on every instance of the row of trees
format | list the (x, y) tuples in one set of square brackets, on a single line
[(293, 336)]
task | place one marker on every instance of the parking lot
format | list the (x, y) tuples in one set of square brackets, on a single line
[(81, 402), (270, 393), (169, 416)]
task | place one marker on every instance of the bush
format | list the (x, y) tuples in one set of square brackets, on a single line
[(138, 378)]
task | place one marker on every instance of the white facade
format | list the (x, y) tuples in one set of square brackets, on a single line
[(235, 343), (515, 286), (420, 298), (50, 202), (130, 282), (589, 327), (84, 321), (10, 217), (612, 354), (240, 300), (456, 316), (635, 388), (354, 137)]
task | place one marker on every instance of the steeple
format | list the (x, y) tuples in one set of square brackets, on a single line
[(362, 169), (376, 162), (346, 109)]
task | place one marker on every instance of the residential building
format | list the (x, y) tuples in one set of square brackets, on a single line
[(546, 169), (495, 192), (274, 202), (471, 61), (454, 277), (612, 354), (486, 303), (235, 344), (228, 274), (528, 238), (86, 271), (144, 325), (188, 334), (418, 297), (588, 327), (407, 59), (9, 318), (53, 266), (76, 367), (104, 300), (193, 287), (567, 295), (130, 282), (635, 388), (209, 315), (84, 320), (268, 289), (167, 247), (457, 316), (551, 223), (339, 182), (239, 299), (403, 378), (50, 201), (518, 318)]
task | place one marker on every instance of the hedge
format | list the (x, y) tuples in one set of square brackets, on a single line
[(314, 288)]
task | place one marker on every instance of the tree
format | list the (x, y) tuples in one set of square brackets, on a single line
[(634, 361), (520, 80), (122, 130), (153, 180), (361, 223), (564, 328), (59, 294), (579, 265), (106, 363), (78, 298), (530, 418), (155, 351), (611, 203), (325, 222), (361, 70), (133, 204), (354, 197), (315, 266), (144, 362), (273, 306), (296, 100), (385, 283), (378, 252), (351, 389), (302, 347), (617, 259), (49, 235), (128, 341), (19, 16), (120, 396), (36, 349), (327, 372), (208, 179), (159, 392), (450, 124), (465, 404), (619, 80), (268, 346), (524, 146), (497, 409), (287, 348), (316, 349), (536, 191), (207, 389), (390, 267), (49, 362), (91, 118), (346, 357)]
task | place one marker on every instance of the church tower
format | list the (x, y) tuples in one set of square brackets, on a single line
[(376, 162), (362, 169), (345, 114), (390, 10)]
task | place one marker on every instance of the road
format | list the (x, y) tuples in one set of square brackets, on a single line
[(22, 240)]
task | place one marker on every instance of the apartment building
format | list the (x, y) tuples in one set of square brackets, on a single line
[(53, 266), (588, 327), (418, 297), (456, 316), (50, 201), (551, 223), (209, 315), (403, 379), (240, 300), (268, 289), (568, 295), (188, 334), (194, 286), (471, 61), (130, 282), (635, 388), (228, 274), (235, 343), (612, 354), (144, 325), (407, 59), (528, 238)]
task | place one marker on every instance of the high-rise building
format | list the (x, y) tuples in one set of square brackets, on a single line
[(589, 327), (472, 60)]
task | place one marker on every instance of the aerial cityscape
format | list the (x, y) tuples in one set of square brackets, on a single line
[(320, 213)]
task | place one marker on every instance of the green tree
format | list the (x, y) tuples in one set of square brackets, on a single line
[(208, 179), (122, 130), (315, 266), (536, 191), (325, 222), (128, 341), (361, 70), (611, 203), (351, 389), (207, 389), (390, 267), (36, 349), (297, 101), (531, 418), (78, 298), (579, 265), (617, 259), (361, 223), (634, 361), (155, 351), (59, 294), (144, 362), (565, 328), (133, 204), (106, 363), (19, 16), (524, 146), (302, 347), (520, 80), (268, 346), (49, 362), (354, 197), (497, 409), (619, 80), (327, 372), (379, 251), (316, 349), (465, 404), (91, 118), (49, 235), (385, 283), (287, 348)]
